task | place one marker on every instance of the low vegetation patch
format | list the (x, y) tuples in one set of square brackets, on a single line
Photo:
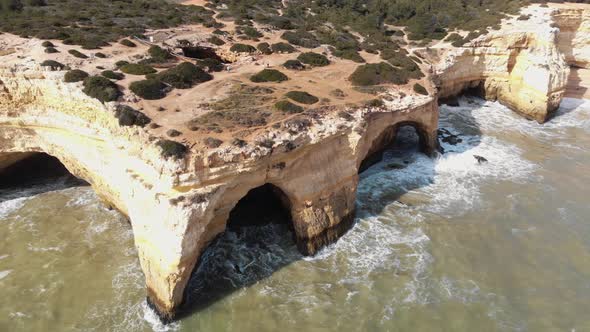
[(418, 88), (51, 50), (210, 65), (242, 48), (302, 97), (378, 73), (172, 149), (184, 76), (313, 59), (130, 117), (78, 54), (301, 38), (264, 48), (128, 43), (100, 55), (93, 24), (75, 75), (212, 142), (112, 75), (149, 89), (282, 48), (137, 69), (157, 55), (101, 88), (216, 40), (47, 43), (269, 75), (288, 107), (293, 65), (53, 64)]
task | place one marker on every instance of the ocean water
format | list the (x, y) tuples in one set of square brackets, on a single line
[(444, 244)]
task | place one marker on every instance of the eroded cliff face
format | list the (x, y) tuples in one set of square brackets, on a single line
[(176, 207), (520, 66), (573, 21)]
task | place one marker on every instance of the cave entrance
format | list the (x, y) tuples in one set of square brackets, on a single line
[(398, 140), (263, 205), (27, 169), (200, 52), (258, 241)]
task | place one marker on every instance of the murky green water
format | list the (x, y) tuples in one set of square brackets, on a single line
[(440, 245)]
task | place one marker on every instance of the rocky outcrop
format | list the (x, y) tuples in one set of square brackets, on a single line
[(520, 66), (177, 206), (573, 41)]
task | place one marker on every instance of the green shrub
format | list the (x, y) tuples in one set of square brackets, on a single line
[(302, 97), (216, 40), (51, 50), (78, 54), (524, 17), (349, 54), (121, 63), (47, 43), (173, 133), (378, 73), (313, 59), (250, 32), (301, 38), (242, 48), (282, 48), (184, 76), (101, 88), (128, 43), (281, 22), (112, 75), (264, 48), (420, 89), (149, 89), (288, 107), (172, 149), (53, 64), (100, 55), (158, 54), (75, 75), (293, 65), (130, 117), (137, 69), (269, 75), (212, 142), (210, 64)]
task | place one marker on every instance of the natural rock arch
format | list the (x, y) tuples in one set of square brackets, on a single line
[(389, 136)]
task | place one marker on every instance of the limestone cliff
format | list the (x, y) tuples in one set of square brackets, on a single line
[(520, 66), (177, 206)]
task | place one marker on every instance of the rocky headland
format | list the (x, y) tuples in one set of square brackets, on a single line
[(178, 188)]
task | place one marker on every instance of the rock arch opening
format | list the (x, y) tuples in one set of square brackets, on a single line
[(23, 169), (258, 240), (401, 137)]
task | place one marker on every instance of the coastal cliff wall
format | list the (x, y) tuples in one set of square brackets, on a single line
[(574, 33), (177, 206), (521, 67)]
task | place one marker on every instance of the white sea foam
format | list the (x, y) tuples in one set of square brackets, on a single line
[(156, 324), (4, 274)]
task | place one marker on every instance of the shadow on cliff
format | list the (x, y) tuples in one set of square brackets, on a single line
[(34, 175), (403, 168), (258, 241)]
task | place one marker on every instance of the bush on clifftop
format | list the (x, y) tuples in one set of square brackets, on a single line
[(130, 117), (184, 76), (378, 73), (75, 75), (313, 59), (137, 69), (172, 149), (302, 97), (101, 88), (242, 48), (149, 89), (269, 75)]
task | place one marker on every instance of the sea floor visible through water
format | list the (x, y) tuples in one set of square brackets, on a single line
[(444, 244)]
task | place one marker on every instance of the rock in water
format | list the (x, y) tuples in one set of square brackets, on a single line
[(480, 159)]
